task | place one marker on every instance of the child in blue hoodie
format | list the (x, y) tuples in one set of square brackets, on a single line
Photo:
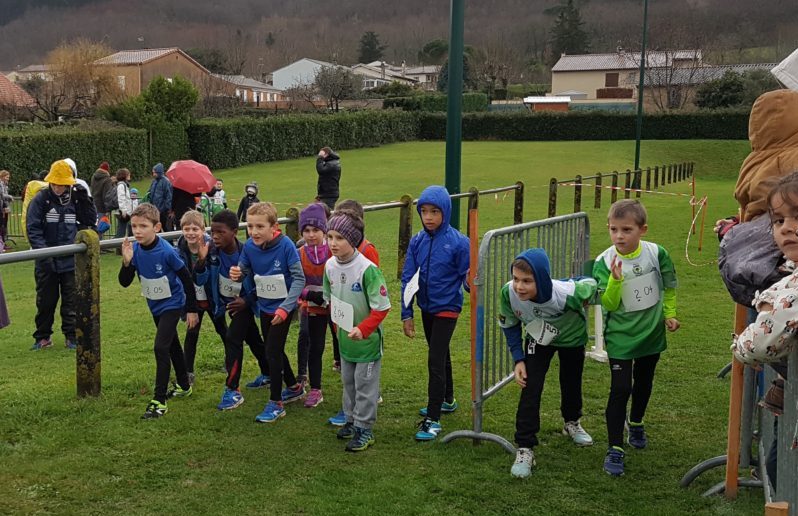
[(437, 262), (541, 317)]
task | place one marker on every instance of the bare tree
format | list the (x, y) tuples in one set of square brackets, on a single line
[(301, 97), (336, 83)]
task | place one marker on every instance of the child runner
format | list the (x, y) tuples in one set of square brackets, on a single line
[(637, 282), (437, 264), (192, 246), (167, 285), (541, 317), (212, 271), (272, 274), (358, 295), (314, 314), (218, 195)]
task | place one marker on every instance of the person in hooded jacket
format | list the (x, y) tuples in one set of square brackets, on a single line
[(52, 220), (101, 182), (249, 199), (328, 166), (160, 195), (437, 262)]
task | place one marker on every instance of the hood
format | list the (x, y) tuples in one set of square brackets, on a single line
[(541, 270), (158, 169), (278, 235), (251, 186), (773, 122), (72, 166), (437, 196), (332, 156)]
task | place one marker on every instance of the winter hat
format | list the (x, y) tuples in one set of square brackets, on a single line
[(313, 215), (158, 169), (251, 189), (105, 166), (541, 270), (347, 226), (134, 191), (60, 174)]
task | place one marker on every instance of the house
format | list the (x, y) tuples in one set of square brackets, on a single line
[(251, 91), (374, 76), (12, 96), (135, 69), (426, 76), (302, 72), (13, 75), (35, 71)]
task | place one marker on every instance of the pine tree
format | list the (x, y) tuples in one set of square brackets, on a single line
[(370, 48), (567, 35)]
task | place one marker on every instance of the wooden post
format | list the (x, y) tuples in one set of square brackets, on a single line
[(405, 232), (578, 194), (552, 196), (648, 177), (597, 203), (777, 509), (656, 177), (473, 204), (87, 312), (627, 184), (638, 182), (671, 172), (614, 196), (292, 227), (518, 208)]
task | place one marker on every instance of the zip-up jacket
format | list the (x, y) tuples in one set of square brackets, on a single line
[(207, 274)]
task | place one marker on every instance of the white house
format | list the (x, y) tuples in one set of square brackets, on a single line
[(302, 72), (383, 73), (427, 76)]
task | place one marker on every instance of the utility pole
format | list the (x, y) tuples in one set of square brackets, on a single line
[(454, 115)]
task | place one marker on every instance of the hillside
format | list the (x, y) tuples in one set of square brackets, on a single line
[(275, 32)]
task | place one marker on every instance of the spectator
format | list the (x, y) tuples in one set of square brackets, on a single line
[(101, 181), (160, 195), (5, 205), (251, 198), (124, 201), (328, 166)]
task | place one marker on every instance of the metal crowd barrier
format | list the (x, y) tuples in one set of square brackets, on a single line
[(566, 240)]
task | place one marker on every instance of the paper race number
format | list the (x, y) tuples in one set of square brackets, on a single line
[(641, 292), (411, 288), (271, 287), (229, 288), (342, 313), (200, 292), (155, 289), (541, 333)]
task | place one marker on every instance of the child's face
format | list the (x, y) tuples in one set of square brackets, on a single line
[(524, 285), (784, 217), (134, 196), (312, 235), (58, 189), (339, 246), (144, 231), (222, 235), (431, 217), (626, 234), (219, 185), (193, 233), (260, 229)]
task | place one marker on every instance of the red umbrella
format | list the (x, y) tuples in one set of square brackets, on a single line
[(191, 177)]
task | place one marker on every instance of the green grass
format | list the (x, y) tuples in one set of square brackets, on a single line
[(60, 454)]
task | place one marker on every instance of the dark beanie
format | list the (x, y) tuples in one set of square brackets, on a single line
[(346, 226), (314, 215)]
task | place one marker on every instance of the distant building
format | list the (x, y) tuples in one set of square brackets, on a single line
[(427, 76), (251, 91), (547, 103), (35, 71), (381, 74), (302, 72), (12, 96)]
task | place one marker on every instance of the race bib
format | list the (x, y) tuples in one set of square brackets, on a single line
[(229, 288), (342, 313), (155, 289), (540, 333), (200, 293), (411, 288), (641, 292), (217, 201), (271, 287)]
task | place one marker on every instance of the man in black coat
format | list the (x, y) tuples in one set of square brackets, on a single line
[(328, 166)]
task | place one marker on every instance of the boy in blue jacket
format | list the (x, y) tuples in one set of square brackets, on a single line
[(436, 266)]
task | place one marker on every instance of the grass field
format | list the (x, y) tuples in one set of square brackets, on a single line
[(63, 455)]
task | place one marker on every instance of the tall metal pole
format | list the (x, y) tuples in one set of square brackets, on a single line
[(454, 115), (640, 90)]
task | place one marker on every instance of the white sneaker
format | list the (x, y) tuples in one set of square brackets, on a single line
[(524, 462), (574, 430)]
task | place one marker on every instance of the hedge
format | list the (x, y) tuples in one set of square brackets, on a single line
[(27, 151), (235, 142), (430, 102), (589, 125)]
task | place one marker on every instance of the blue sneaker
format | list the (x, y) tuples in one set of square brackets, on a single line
[(637, 436), (261, 381), (272, 412), (446, 408), (339, 419), (297, 392), (428, 430), (42, 344), (230, 399), (70, 344), (613, 462)]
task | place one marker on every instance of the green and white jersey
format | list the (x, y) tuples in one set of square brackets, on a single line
[(559, 322), (635, 307), (356, 287)]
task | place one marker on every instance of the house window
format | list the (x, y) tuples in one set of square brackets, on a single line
[(611, 80), (120, 79)]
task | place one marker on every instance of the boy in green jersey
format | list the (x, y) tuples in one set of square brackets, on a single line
[(541, 317), (637, 282)]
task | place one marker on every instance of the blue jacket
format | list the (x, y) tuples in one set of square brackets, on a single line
[(442, 256), (161, 190), (208, 276)]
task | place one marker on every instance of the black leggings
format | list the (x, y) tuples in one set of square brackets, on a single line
[(438, 332), (192, 336), (635, 378), (280, 367), (336, 347), (315, 327), (242, 328), (168, 353)]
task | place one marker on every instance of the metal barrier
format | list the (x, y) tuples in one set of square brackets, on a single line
[(566, 240)]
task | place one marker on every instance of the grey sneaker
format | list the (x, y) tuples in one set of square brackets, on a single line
[(524, 462), (574, 430)]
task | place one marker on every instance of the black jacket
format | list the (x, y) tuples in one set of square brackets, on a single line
[(246, 202), (101, 181), (329, 170)]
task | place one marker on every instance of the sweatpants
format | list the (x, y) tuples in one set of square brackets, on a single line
[(438, 332), (527, 417), (242, 328), (192, 336), (310, 347), (635, 378), (49, 286), (361, 391), (168, 353), (275, 336)]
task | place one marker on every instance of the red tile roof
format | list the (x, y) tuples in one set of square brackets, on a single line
[(13, 95)]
